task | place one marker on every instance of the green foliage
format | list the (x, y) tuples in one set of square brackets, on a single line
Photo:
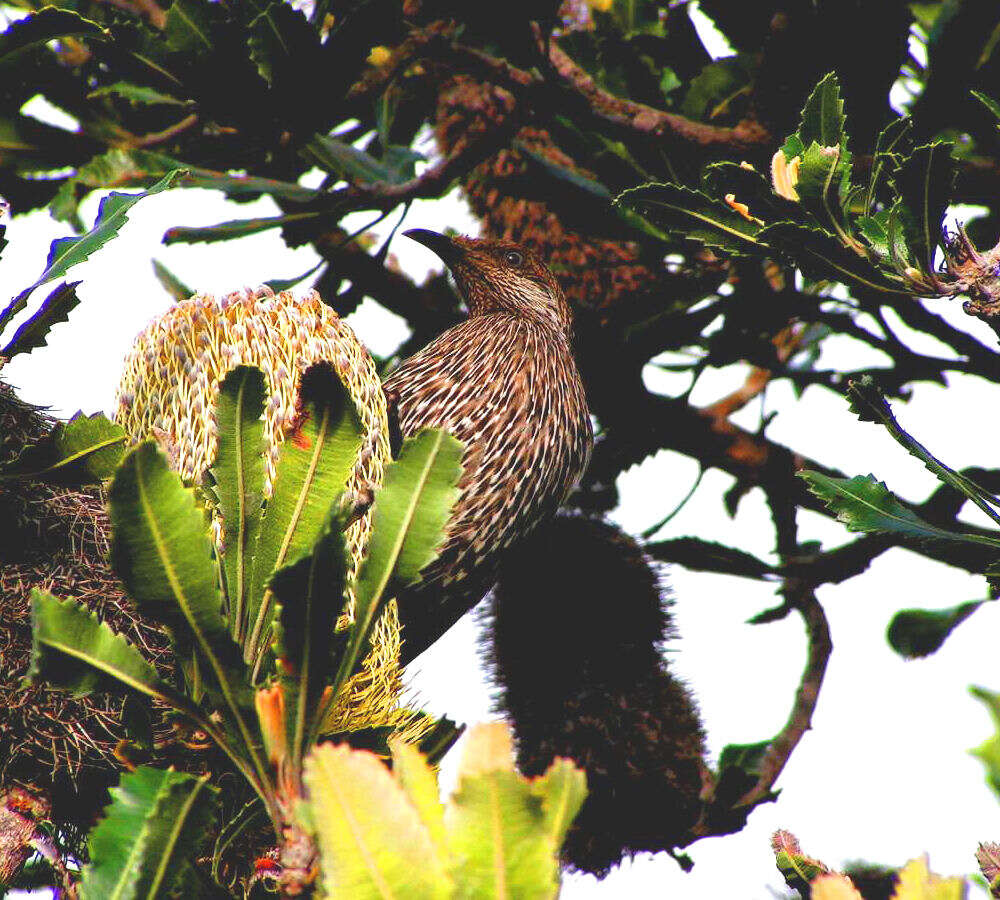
[(67, 252), (820, 221), (162, 551), (54, 309), (863, 503), (385, 835), (74, 650), (45, 25), (678, 210), (316, 459), (988, 753), (171, 283), (924, 181), (919, 632), (83, 450), (238, 476), (147, 842), (410, 514), (309, 594)]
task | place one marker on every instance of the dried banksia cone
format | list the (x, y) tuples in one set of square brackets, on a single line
[(169, 388), (578, 622), (59, 746), (596, 273)]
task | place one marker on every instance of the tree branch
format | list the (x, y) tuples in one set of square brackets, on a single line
[(799, 595)]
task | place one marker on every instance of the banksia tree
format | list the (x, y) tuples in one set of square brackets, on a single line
[(702, 209)]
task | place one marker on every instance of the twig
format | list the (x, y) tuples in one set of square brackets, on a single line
[(572, 83), (436, 178), (801, 596), (158, 137), (786, 342), (647, 120)]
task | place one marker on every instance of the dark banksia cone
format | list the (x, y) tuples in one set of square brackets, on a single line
[(578, 619)]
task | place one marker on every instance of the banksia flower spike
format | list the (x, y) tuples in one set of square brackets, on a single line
[(169, 388), (171, 377)]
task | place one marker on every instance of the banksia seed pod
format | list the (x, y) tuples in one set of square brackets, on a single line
[(169, 388)]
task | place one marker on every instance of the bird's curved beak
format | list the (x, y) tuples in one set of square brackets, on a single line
[(440, 244)]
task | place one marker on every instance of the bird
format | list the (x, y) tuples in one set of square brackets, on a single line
[(503, 381)]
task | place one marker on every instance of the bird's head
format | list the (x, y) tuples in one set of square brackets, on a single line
[(500, 276)]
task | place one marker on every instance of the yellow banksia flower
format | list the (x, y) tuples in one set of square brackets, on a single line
[(379, 56), (785, 175), (375, 699), (601, 5), (169, 387)]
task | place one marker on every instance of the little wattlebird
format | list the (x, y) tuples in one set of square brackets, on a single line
[(505, 383)]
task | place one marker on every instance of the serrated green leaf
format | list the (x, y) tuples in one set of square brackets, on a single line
[(146, 845), (410, 513), (418, 780), (139, 94), (54, 309), (988, 752), (371, 841), (43, 26), (822, 120), (73, 650), (676, 210), (84, 450), (171, 283), (501, 839), (891, 146), (748, 186), (562, 788), (310, 595), (316, 459), (868, 403), (238, 475), (67, 252), (161, 550), (821, 255), (120, 167), (924, 182), (236, 228), (913, 633), (188, 26), (864, 504), (824, 180), (878, 230)]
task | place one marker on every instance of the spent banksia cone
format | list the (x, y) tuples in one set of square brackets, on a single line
[(578, 621)]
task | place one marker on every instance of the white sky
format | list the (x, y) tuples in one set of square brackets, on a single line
[(884, 774)]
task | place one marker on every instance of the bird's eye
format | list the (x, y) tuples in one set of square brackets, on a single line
[(513, 258)]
